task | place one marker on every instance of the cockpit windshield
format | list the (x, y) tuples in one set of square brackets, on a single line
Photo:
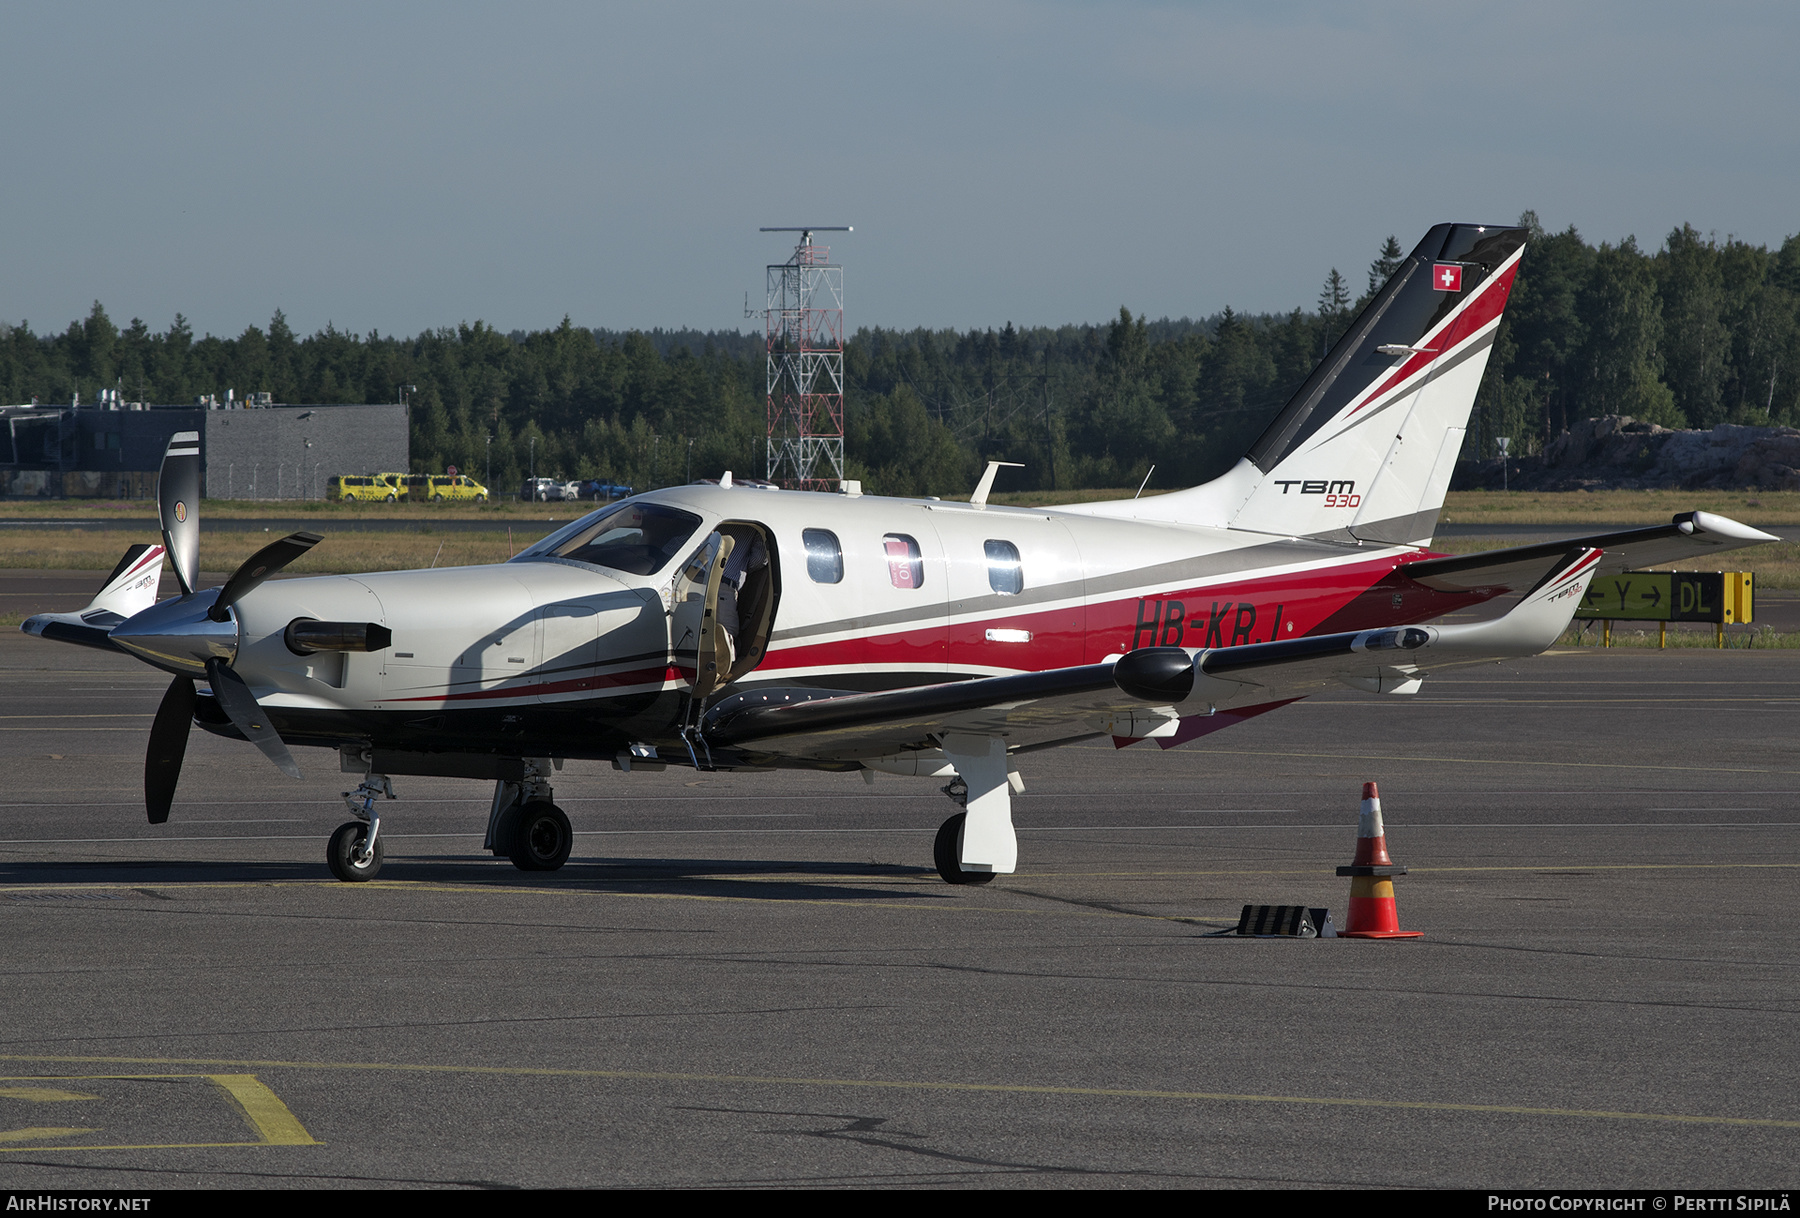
[(637, 538)]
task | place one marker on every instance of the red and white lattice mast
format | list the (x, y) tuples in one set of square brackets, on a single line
[(804, 324)]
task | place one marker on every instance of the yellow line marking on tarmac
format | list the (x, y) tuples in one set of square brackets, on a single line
[(42, 1095), (901, 885), (40, 1133), (881, 1084), (274, 1123), (272, 1120), (77, 717), (1512, 761)]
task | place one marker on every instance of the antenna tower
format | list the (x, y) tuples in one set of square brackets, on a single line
[(804, 325)]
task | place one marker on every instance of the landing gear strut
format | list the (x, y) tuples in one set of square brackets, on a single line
[(354, 853), (977, 843)]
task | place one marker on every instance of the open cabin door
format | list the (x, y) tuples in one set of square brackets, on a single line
[(756, 599), (706, 651), (694, 617)]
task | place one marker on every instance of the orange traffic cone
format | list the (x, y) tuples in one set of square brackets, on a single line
[(1372, 913)]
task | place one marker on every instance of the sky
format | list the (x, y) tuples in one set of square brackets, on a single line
[(400, 167)]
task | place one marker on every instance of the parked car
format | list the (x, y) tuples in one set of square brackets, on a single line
[(350, 488), (541, 490), (439, 487), (599, 488)]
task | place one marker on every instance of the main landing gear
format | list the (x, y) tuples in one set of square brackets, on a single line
[(977, 843), (525, 826), (354, 853)]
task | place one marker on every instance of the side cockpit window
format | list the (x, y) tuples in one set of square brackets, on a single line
[(636, 538), (1005, 575), (824, 556), (906, 566)]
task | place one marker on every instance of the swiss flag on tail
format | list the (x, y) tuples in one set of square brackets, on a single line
[(1446, 277)]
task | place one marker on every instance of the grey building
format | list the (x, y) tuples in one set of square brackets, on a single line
[(263, 452)]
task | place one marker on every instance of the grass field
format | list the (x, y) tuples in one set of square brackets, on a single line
[(414, 543), (98, 549), (1463, 507)]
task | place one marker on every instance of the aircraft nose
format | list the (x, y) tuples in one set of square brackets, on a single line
[(177, 636)]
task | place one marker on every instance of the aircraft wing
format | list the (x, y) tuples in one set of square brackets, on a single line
[(1146, 692), (1689, 535), (1026, 708)]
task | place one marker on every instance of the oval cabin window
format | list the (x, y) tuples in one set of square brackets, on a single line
[(906, 567), (824, 557), (1005, 575)]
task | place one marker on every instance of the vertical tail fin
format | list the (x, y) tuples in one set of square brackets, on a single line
[(1364, 450)]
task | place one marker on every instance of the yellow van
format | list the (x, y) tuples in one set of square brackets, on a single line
[(351, 488), (439, 487)]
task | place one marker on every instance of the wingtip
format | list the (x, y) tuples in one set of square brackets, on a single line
[(1721, 526)]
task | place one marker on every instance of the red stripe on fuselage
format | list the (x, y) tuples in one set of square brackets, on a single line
[(1225, 614), (661, 675)]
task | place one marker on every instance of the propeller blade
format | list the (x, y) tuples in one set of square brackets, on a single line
[(168, 745), (241, 705), (258, 567), (178, 503)]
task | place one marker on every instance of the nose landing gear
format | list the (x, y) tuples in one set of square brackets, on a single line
[(354, 853)]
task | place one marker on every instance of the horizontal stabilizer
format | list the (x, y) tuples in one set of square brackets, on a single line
[(1689, 535), (129, 590)]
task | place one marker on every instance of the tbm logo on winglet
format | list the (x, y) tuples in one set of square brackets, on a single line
[(1338, 492), (1167, 623)]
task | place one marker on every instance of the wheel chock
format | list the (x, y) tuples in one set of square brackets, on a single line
[(1283, 922)]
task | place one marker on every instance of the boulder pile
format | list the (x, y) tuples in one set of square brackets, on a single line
[(1617, 452)]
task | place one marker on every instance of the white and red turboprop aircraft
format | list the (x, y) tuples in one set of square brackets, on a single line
[(915, 637)]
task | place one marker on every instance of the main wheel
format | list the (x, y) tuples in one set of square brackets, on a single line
[(345, 845), (541, 837), (946, 852)]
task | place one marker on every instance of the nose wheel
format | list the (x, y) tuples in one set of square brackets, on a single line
[(354, 852), (349, 855)]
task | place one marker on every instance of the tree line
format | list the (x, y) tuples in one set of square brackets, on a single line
[(1697, 332)]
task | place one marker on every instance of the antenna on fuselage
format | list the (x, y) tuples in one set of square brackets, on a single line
[(979, 498)]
